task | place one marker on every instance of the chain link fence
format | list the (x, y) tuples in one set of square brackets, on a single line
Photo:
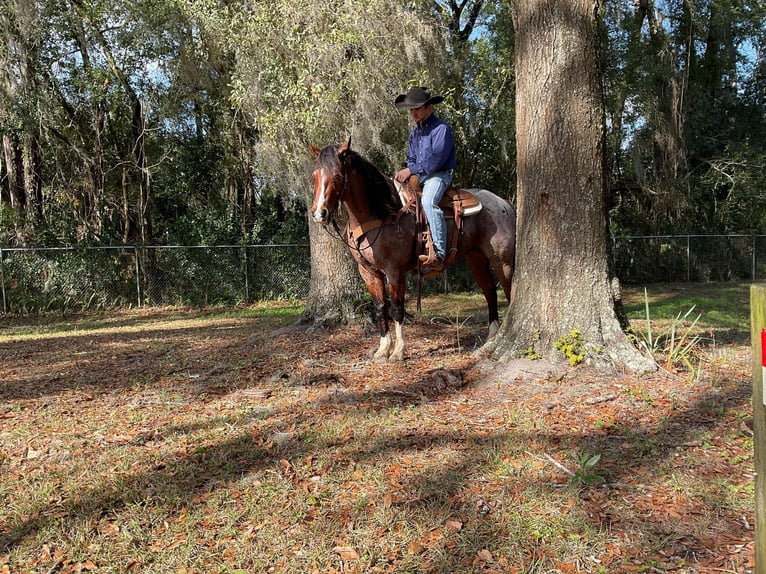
[(689, 258), (45, 279)]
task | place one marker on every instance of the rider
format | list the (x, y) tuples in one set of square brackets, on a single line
[(431, 158)]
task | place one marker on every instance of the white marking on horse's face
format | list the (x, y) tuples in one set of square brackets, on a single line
[(319, 210), (320, 202)]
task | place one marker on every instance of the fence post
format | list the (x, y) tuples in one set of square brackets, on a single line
[(247, 274), (2, 279), (758, 343), (138, 275), (688, 259)]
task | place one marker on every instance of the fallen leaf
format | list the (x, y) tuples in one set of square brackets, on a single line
[(485, 555), (346, 552)]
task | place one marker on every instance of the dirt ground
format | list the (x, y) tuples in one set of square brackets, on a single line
[(675, 455)]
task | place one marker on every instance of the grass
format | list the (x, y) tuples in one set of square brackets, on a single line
[(177, 441), (42, 325), (723, 305)]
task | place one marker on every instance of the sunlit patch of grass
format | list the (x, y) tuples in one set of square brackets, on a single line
[(720, 305), (147, 319)]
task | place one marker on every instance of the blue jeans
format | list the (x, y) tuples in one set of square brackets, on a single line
[(433, 188)]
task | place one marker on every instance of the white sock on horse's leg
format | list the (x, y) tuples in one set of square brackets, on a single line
[(398, 354), (384, 349)]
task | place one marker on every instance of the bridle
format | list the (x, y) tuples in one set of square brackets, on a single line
[(331, 212), (354, 236)]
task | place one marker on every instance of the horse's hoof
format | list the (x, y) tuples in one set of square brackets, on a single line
[(396, 357)]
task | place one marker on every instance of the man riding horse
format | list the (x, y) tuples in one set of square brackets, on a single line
[(430, 161)]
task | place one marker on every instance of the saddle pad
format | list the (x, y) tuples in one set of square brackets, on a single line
[(469, 203)]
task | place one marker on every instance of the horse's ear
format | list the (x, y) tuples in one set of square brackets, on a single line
[(314, 150), (345, 147)]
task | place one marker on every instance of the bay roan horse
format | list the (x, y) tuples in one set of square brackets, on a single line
[(382, 238)]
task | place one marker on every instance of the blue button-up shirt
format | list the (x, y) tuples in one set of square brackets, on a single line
[(430, 148)]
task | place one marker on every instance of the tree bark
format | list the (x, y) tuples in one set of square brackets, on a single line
[(33, 187), (18, 81), (14, 172), (336, 290), (562, 281)]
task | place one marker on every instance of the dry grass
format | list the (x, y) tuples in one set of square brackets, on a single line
[(228, 441)]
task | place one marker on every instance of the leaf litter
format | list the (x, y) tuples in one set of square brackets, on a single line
[(196, 442)]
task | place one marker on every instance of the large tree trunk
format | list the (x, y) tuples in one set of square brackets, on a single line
[(562, 281), (14, 173), (336, 290), (33, 179)]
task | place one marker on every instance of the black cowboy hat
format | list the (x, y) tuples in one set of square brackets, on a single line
[(415, 98)]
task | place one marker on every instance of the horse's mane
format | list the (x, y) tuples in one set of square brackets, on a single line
[(379, 191), (381, 194)]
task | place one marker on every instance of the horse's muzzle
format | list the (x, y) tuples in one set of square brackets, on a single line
[(321, 216)]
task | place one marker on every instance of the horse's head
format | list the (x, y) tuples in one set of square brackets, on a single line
[(329, 177)]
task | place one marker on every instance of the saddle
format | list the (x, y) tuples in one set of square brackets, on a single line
[(456, 204)]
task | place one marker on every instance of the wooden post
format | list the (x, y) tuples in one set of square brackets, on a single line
[(758, 339)]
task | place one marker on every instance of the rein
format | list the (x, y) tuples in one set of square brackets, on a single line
[(365, 227), (354, 236)]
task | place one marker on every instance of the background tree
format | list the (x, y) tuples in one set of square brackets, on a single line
[(562, 282), (186, 121), (20, 97), (678, 104), (312, 72), (478, 86)]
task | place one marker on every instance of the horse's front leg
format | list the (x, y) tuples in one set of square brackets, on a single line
[(397, 286), (376, 286)]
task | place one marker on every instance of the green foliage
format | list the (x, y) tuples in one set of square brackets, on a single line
[(483, 110), (686, 171), (587, 474), (311, 72), (54, 280), (572, 346), (277, 224), (677, 343), (529, 352), (231, 93)]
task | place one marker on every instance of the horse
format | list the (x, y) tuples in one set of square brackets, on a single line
[(381, 236)]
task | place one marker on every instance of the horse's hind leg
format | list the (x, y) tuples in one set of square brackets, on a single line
[(504, 272), (482, 272)]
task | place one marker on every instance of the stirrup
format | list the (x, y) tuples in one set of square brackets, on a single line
[(433, 269), (430, 257)]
